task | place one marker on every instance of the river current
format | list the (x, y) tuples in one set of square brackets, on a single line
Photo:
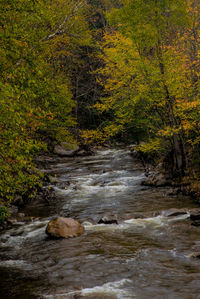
[(147, 255)]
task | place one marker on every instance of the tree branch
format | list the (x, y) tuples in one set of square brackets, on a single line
[(62, 27)]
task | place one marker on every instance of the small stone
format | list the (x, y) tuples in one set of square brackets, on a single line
[(108, 220)]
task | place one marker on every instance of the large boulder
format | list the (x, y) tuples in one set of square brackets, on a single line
[(72, 150), (61, 151), (61, 227)]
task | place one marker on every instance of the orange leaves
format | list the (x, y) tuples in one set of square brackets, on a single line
[(50, 116), (186, 125), (188, 105), (35, 118)]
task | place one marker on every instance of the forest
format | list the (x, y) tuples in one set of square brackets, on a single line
[(91, 72)]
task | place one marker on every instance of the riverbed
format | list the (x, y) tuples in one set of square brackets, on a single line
[(146, 255)]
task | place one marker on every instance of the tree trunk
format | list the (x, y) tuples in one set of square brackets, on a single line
[(179, 156)]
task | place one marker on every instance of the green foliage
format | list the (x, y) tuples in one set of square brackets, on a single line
[(35, 86), (60, 70), (4, 214), (153, 150), (151, 146)]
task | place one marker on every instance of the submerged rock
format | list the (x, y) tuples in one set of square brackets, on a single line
[(61, 227)]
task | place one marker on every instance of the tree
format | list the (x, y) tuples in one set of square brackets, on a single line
[(154, 73), (35, 89)]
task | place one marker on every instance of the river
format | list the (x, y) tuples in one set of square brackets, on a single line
[(147, 255)]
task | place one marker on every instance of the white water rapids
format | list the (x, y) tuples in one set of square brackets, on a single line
[(145, 255)]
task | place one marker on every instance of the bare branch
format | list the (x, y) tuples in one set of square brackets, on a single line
[(62, 27)]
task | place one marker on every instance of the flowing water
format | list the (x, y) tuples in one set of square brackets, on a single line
[(147, 255)]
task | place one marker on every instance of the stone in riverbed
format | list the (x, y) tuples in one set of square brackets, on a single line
[(109, 219), (63, 152), (157, 180), (61, 227), (174, 212)]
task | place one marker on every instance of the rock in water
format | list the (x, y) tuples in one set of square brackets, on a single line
[(174, 212), (61, 227), (195, 255), (62, 152), (195, 215), (109, 219), (157, 180)]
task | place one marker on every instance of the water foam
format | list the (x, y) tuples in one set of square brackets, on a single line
[(104, 227), (26, 231), (111, 288), (116, 289), (106, 152), (63, 191), (153, 222)]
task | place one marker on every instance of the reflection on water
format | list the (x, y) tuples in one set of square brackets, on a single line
[(145, 256)]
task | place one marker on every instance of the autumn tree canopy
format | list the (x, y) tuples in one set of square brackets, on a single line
[(91, 71)]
